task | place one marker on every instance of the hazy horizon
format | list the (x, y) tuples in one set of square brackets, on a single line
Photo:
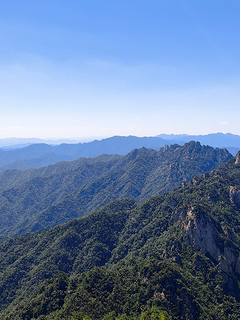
[(216, 140), (87, 139), (100, 69)]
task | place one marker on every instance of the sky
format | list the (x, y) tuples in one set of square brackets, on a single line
[(91, 68)]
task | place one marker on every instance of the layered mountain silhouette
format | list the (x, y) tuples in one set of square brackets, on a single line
[(36, 199), (38, 155), (41, 154), (220, 140)]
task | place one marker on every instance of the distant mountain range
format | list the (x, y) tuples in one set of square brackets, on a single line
[(177, 252), (36, 199), (216, 140), (42, 154), (38, 155), (13, 143)]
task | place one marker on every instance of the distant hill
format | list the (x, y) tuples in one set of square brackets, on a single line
[(38, 155), (216, 140), (36, 199), (14, 143), (178, 252), (42, 154)]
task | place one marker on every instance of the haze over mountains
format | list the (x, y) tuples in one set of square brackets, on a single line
[(219, 140), (216, 140), (38, 155), (42, 154)]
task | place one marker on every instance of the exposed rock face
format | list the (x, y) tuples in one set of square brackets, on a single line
[(204, 234), (234, 195), (201, 233), (237, 158)]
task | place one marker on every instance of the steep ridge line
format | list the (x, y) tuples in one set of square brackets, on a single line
[(65, 191)]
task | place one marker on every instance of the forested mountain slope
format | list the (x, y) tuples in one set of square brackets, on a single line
[(36, 199), (91, 167), (179, 251)]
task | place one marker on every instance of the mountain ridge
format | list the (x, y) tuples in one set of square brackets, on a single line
[(179, 251), (56, 194), (216, 140), (42, 154), (36, 154)]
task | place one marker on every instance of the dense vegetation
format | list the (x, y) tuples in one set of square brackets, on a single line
[(36, 199), (176, 254)]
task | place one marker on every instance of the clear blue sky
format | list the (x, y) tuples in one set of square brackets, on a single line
[(102, 68)]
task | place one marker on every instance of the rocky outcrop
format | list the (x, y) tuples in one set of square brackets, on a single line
[(234, 195), (201, 233), (207, 236)]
